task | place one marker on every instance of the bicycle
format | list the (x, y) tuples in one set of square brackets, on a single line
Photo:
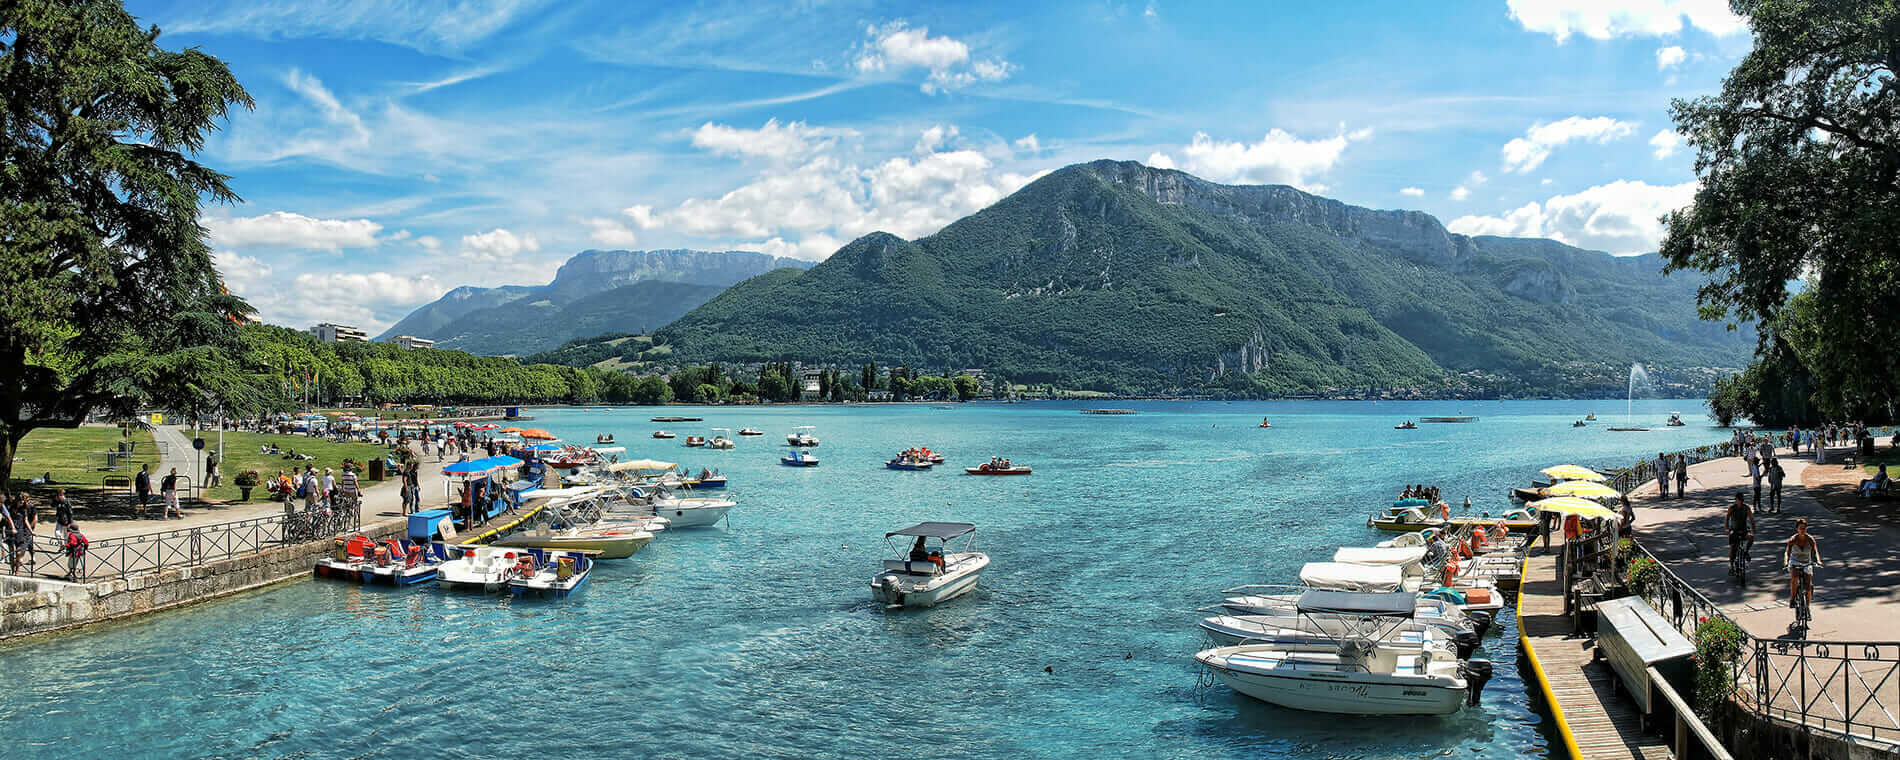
[(1803, 613), (1738, 558)]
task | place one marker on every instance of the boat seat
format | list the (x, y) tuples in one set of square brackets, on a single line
[(914, 568)]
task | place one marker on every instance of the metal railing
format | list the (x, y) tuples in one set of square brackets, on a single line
[(1628, 478), (1840, 687), (116, 558)]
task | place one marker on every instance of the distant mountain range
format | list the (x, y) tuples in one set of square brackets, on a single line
[(594, 292), (1119, 277)]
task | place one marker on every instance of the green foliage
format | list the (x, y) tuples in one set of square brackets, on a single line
[(1643, 574), (1718, 644), (290, 364), (1084, 279), (108, 288), (966, 387), (1798, 160)]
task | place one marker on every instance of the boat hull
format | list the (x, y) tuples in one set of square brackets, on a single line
[(398, 576), (900, 590), (609, 546), (1010, 471), (1342, 696)]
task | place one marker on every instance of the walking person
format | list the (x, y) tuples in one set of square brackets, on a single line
[(1775, 477), (20, 523), (309, 488), (212, 477), (1682, 475), (329, 487), (141, 491), (1754, 476), (168, 487), (1662, 475), (62, 514)]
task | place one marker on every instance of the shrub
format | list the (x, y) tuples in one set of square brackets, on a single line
[(247, 479), (1718, 644), (1643, 575)]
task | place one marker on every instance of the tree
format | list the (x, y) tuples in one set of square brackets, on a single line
[(867, 377), (824, 384), (1799, 162), (967, 387), (110, 298)]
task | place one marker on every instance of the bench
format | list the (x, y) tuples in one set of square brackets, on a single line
[(116, 481), (1638, 642)]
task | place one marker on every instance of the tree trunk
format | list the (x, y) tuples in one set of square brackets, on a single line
[(9, 446)]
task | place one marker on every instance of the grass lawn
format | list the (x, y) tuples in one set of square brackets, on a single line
[(71, 455), (1883, 455), (241, 453)]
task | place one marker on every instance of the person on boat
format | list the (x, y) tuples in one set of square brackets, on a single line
[(1802, 554), (918, 552), (936, 557)]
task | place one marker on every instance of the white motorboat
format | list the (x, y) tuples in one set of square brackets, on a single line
[(1341, 576), (1284, 600), (478, 568), (802, 437), (1355, 671), (1480, 592), (720, 440), (1305, 625), (549, 574), (925, 576), (688, 512)]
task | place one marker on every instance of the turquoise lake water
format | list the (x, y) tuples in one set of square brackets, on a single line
[(759, 638)]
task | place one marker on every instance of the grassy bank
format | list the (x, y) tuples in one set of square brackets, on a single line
[(73, 457), (242, 453)]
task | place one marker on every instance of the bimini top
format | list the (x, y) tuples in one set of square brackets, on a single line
[(482, 466), (1391, 604), (942, 530)]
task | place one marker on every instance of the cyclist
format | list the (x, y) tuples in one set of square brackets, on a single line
[(1803, 553), (1741, 529)]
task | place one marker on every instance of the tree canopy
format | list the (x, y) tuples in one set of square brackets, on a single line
[(107, 284), (1799, 162)]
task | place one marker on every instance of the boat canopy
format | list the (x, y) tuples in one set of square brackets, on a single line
[(610, 449), (559, 493), (1387, 604), (1345, 577), (482, 466), (644, 465), (545, 447), (1397, 555), (939, 530)]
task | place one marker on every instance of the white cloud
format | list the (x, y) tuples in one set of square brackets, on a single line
[(1028, 143), (497, 246), (1665, 143), (240, 271), (429, 242), (1460, 193), (1278, 158), (283, 229), (773, 141), (1412, 192), (1620, 217), (1526, 153), (808, 209), (1603, 19), (371, 300), (1669, 56), (609, 232), (1476, 178), (894, 48)]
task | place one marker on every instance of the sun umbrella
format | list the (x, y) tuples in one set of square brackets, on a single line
[(642, 465), (510, 430), (1584, 489), (483, 427), (538, 434), (1573, 472), (1571, 505)]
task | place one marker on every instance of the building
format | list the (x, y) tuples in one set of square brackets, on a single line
[(330, 332), (808, 383), (411, 342)]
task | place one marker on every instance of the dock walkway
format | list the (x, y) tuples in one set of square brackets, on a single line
[(1593, 720)]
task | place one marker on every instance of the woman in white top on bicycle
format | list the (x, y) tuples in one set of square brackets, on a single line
[(1803, 554)]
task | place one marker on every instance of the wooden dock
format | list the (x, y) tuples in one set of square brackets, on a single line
[(1593, 719)]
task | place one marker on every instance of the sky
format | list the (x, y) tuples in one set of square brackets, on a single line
[(400, 149)]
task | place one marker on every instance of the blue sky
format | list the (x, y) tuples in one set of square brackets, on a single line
[(401, 149)]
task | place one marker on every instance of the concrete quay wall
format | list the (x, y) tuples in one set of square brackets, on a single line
[(30, 606)]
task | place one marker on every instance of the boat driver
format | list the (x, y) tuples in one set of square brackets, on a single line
[(917, 551)]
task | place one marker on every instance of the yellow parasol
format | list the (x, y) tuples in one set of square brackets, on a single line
[(1571, 505), (1584, 489), (1573, 472)]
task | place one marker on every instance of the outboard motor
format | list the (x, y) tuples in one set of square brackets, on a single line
[(1464, 643), (1476, 673), (1480, 621)]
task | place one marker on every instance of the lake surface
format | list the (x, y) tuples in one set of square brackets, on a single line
[(759, 638)]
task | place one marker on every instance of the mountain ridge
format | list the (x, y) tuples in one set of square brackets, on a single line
[(1120, 277)]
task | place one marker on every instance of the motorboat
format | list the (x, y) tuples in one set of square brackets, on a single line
[(720, 441), (346, 561), (1590, 417), (1406, 425), (1579, 423), (749, 431), (403, 563), (604, 438), (607, 539), (687, 512), (998, 466), (1415, 519), (906, 462), (800, 458), (1450, 418), (1264, 423), (1282, 601), (664, 434), (802, 437), (695, 440), (1354, 672), (1303, 625), (544, 574), (926, 575), (707, 479), (675, 419), (1675, 420), (477, 568), (1476, 593)]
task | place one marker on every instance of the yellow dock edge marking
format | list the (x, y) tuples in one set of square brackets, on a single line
[(492, 533), (1543, 681)]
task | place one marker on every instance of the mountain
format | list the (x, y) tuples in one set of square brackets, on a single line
[(591, 293), (1120, 277)]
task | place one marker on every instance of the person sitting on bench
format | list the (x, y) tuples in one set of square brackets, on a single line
[(1875, 484)]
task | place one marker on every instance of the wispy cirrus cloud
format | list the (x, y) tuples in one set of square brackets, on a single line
[(439, 29)]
